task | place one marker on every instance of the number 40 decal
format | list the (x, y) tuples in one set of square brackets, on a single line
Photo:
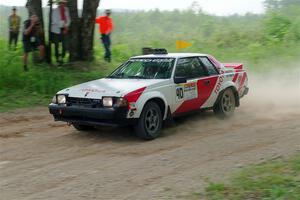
[(179, 93)]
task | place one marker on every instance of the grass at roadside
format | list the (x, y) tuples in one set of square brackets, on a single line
[(272, 180), (20, 89)]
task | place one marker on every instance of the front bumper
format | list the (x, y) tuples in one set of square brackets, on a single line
[(91, 116)]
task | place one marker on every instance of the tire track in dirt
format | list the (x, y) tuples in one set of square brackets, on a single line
[(41, 159)]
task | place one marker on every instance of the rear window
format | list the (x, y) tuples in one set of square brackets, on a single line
[(210, 67)]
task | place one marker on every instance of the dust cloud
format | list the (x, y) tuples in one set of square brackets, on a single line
[(275, 93)]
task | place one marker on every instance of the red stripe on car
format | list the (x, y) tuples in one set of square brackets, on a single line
[(204, 92), (235, 77), (132, 97), (243, 81)]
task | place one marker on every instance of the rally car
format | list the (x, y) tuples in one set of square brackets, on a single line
[(149, 89)]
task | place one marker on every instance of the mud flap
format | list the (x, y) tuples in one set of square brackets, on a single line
[(169, 122)]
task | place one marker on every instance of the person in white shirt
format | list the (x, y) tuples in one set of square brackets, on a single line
[(60, 29)]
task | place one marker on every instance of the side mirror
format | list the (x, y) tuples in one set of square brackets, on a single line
[(180, 79)]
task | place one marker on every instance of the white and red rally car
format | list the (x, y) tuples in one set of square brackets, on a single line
[(148, 89)]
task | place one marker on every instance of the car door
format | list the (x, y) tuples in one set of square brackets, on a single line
[(191, 95), (207, 84)]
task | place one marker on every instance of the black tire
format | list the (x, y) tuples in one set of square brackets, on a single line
[(80, 127), (226, 104), (150, 122)]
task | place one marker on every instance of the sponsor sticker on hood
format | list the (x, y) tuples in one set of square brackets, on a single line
[(92, 90)]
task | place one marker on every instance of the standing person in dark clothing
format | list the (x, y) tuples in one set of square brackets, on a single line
[(105, 29), (32, 39), (14, 27), (59, 29)]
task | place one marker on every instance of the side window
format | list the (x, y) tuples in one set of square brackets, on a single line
[(190, 68), (210, 67)]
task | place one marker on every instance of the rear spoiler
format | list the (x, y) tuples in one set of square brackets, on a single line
[(234, 65)]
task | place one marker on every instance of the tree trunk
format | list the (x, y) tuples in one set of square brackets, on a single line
[(87, 28), (48, 48), (74, 32), (35, 7)]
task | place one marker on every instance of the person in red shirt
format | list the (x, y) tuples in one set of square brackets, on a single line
[(105, 29)]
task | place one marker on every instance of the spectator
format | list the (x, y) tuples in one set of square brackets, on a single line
[(14, 27), (60, 29), (32, 39), (105, 29)]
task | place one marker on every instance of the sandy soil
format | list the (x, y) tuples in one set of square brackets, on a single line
[(41, 159)]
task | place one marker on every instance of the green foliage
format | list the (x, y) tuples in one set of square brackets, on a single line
[(279, 4), (250, 38), (277, 27), (271, 180), (282, 21), (36, 87)]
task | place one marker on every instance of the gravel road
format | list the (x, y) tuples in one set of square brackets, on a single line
[(41, 159)]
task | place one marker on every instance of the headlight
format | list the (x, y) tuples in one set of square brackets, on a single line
[(121, 102), (61, 99), (54, 100), (107, 101)]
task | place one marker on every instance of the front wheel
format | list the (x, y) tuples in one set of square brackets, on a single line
[(150, 122), (225, 107)]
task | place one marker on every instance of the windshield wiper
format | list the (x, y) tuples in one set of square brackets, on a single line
[(113, 76), (116, 76), (137, 77)]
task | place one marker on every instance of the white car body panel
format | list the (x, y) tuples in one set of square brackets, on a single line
[(107, 87)]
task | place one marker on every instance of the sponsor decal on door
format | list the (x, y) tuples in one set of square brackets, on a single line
[(187, 91)]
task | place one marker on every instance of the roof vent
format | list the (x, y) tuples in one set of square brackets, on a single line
[(160, 51), (148, 50)]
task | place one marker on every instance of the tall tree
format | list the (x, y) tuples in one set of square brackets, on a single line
[(35, 7), (276, 4), (74, 32), (82, 30), (87, 27), (272, 4), (48, 48), (290, 2)]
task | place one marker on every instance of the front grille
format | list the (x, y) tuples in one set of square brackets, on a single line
[(84, 102)]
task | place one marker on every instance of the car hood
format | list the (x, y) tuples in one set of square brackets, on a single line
[(108, 87)]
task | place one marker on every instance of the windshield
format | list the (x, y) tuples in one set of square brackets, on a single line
[(145, 68)]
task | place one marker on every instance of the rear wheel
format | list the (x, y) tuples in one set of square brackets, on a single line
[(225, 107), (150, 122), (80, 127)]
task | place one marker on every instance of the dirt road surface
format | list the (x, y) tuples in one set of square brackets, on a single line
[(41, 159)]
